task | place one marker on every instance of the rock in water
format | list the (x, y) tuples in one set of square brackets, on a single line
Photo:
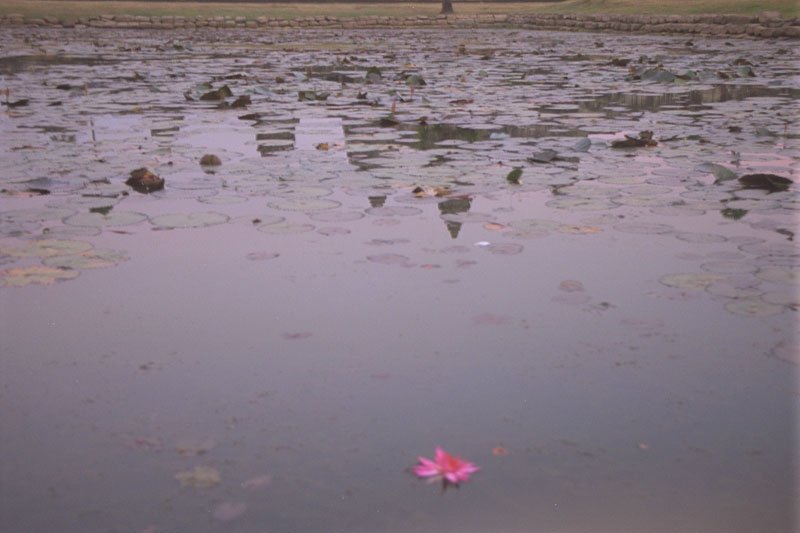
[(144, 181)]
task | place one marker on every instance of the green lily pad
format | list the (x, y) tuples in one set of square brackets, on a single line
[(89, 259), (189, 220), (46, 248), (690, 281), (285, 228), (305, 205), (35, 275), (753, 307), (100, 220)]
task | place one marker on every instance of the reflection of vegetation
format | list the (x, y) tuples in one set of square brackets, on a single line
[(454, 206), (651, 102), (733, 214), (436, 133)]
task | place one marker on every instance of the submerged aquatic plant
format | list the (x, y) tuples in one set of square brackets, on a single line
[(450, 469)]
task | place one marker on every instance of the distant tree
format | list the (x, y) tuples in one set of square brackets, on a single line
[(447, 7)]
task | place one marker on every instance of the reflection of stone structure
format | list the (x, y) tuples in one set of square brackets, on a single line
[(454, 206)]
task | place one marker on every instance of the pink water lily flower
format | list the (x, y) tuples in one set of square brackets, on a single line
[(449, 468)]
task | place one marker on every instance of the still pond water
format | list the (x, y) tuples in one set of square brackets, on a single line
[(448, 249)]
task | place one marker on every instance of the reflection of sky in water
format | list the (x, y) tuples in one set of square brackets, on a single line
[(338, 325)]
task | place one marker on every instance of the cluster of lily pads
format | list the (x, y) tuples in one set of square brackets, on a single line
[(598, 141)]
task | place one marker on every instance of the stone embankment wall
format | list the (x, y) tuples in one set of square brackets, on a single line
[(767, 24)]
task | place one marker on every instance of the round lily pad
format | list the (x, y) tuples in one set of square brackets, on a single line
[(36, 215), (704, 238), (305, 205), (223, 199), (504, 248), (394, 211), (90, 259), (784, 298), (389, 259), (100, 220), (35, 275), (301, 192), (46, 248), (189, 220), (783, 276), (690, 281), (644, 228), (581, 204), (285, 228), (336, 216), (729, 267), (753, 307)]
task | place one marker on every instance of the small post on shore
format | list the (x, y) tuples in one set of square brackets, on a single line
[(447, 7)]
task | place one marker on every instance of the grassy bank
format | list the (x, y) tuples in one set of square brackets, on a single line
[(73, 9)]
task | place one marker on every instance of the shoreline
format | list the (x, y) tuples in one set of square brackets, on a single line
[(768, 24)]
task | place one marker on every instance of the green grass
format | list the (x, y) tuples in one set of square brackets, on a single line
[(73, 9)]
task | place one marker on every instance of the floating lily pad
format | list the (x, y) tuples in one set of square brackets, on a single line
[(390, 259), (35, 275), (336, 216), (581, 204), (285, 228), (505, 248), (100, 220), (199, 477), (644, 228), (704, 238), (189, 220), (305, 205), (301, 192), (394, 211), (753, 307), (690, 281), (46, 248), (89, 259), (36, 215), (783, 276)]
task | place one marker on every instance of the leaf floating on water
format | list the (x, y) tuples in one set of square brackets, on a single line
[(571, 285), (514, 176), (46, 248), (189, 220), (579, 230), (256, 483), (690, 281), (227, 511), (193, 449), (583, 145), (753, 307), (502, 248), (199, 477), (543, 156), (35, 275), (99, 220), (90, 259)]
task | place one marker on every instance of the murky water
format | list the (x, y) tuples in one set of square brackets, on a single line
[(269, 344)]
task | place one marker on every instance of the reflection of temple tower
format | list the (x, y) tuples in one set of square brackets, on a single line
[(453, 206), (377, 201)]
